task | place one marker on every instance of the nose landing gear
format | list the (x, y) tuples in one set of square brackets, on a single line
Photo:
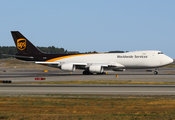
[(156, 71)]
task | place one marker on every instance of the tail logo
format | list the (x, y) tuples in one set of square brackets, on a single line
[(21, 44)]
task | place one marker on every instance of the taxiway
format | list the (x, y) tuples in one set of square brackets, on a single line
[(89, 89)]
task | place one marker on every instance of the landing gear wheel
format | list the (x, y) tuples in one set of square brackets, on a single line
[(86, 72), (103, 73), (155, 72)]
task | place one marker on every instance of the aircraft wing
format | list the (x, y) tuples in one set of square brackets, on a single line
[(58, 63), (85, 64)]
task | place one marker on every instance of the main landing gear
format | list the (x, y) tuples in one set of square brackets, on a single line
[(103, 73), (87, 72)]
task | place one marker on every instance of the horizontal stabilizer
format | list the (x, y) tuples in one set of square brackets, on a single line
[(47, 63), (18, 56)]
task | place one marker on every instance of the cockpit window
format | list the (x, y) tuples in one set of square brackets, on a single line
[(160, 52)]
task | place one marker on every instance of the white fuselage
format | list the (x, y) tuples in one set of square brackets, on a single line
[(137, 59)]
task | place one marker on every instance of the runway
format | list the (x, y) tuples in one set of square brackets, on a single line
[(88, 89), (18, 76)]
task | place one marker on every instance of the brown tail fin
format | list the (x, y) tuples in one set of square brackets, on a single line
[(23, 45)]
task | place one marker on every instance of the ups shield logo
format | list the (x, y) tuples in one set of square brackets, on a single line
[(21, 44)]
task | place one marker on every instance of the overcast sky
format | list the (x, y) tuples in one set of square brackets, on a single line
[(91, 25)]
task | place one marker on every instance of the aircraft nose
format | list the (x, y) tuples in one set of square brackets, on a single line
[(169, 60), (166, 60)]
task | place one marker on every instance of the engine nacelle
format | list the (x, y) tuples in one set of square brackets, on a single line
[(68, 67), (96, 69)]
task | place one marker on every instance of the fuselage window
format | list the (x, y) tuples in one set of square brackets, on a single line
[(160, 52)]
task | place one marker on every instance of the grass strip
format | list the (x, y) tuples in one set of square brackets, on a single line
[(101, 82), (79, 108)]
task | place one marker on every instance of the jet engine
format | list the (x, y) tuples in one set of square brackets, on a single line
[(96, 69), (68, 67)]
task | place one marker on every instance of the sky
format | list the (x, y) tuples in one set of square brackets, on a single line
[(91, 25)]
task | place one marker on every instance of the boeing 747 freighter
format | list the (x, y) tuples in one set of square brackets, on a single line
[(90, 62)]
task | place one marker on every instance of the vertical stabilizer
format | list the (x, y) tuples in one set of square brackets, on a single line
[(23, 45)]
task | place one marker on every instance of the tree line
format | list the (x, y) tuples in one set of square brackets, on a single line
[(11, 50)]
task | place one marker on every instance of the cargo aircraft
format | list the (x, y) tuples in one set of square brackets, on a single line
[(90, 62)]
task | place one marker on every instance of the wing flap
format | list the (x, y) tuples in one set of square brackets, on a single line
[(113, 65)]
